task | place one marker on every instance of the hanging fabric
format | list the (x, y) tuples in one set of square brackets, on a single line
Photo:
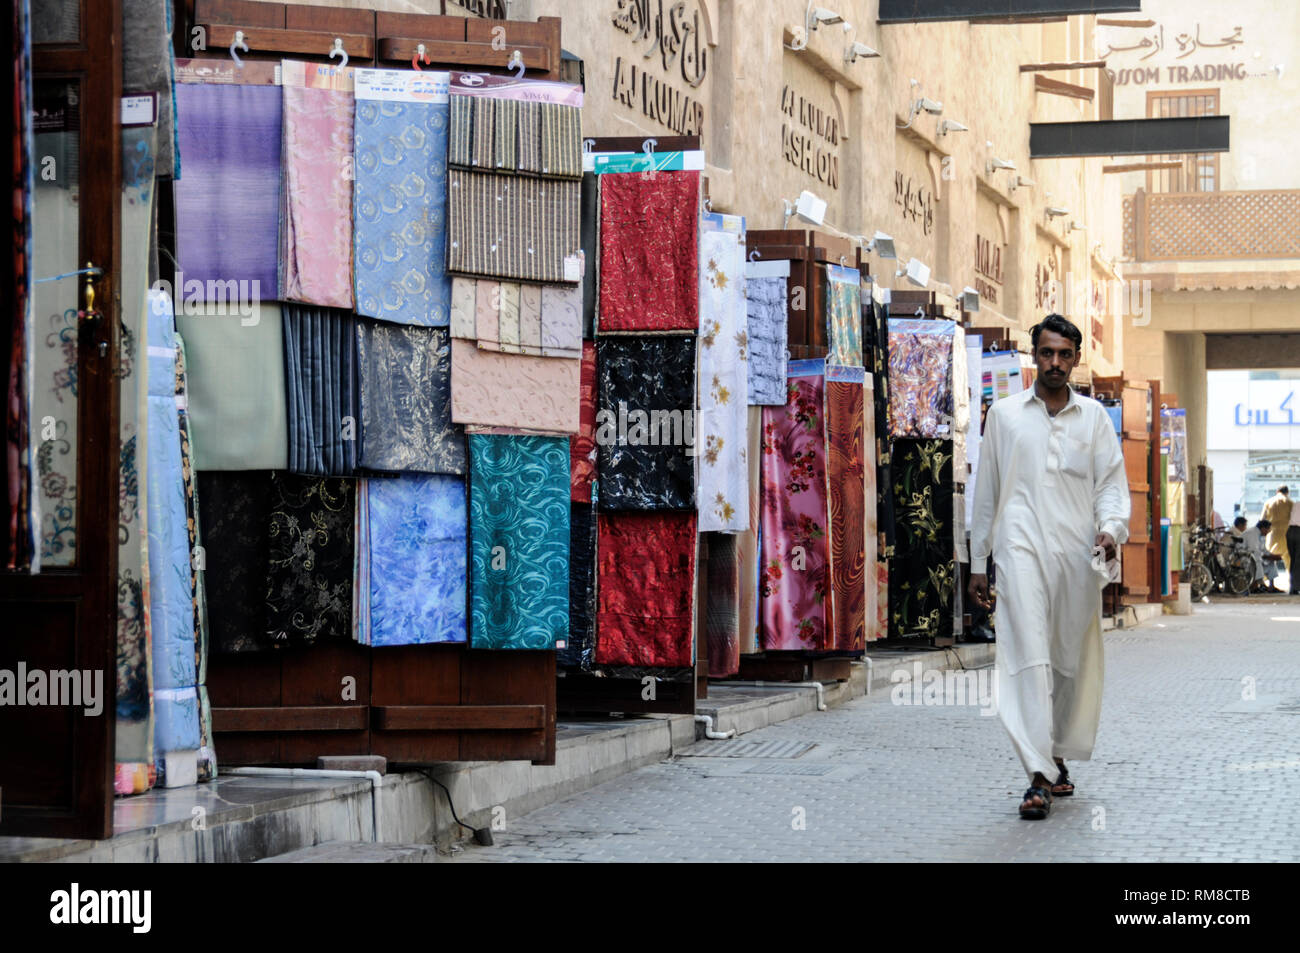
[(848, 457), (722, 609), (237, 387), (767, 326), (409, 583), (401, 196), (645, 582), (582, 445), (404, 385), (171, 597), (316, 191), (207, 760), (519, 538), (235, 511), (722, 472), (148, 67), (228, 200), (844, 316), (649, 276), (562, 319), (795, 555), (538, 394), (513, 227), (309, 577), (135, 770), (321, 386), (920, 377), (579, 652), (747, 543), (921, 571), (530, 320), (464, 308), (871, 526), (646, 395)]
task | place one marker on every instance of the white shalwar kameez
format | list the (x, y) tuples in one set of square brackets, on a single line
[(1046, 486)]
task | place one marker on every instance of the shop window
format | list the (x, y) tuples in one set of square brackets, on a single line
[(1199, 172)]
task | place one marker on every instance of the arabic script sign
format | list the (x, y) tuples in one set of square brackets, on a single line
[(1280, 416), (674, 44), (1178, 42)]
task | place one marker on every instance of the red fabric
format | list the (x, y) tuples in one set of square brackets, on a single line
[(649, 275), (582, 445), (846, 479), (646, 578)]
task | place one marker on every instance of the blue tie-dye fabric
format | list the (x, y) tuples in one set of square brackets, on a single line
[(411, 560), (400, 214), (519, 536)]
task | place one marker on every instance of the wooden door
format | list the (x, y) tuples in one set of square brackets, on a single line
[(56, 760)]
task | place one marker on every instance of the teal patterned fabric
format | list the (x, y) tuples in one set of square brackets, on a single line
[(401, 212), (519, 541), (844, 316)]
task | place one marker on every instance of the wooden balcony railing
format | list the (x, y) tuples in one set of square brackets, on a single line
[(1203, 226)]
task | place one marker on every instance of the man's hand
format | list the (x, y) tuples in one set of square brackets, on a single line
[(1107, 543), (979, 590)]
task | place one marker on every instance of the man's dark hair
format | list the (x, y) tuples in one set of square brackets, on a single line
[(1282, 490), (1239, 522), (1264, 525), (1059, 325)]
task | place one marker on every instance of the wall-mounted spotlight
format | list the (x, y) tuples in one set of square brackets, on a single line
[(951, 125), (856, 51), (919, 105), (1076, 227), (1021, 182), (819, 15), (917, 272), (808, 207), (970, 300), (995, 163), (1055, 211), (882, 245)]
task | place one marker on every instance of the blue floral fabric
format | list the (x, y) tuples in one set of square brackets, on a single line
[(519, 536), (401, 212)]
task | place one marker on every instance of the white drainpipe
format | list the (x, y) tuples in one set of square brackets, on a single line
[(707, 722), (376, 779), (870, 671)]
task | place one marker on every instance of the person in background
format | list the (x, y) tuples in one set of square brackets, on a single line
[(1265, 562), (1293, 549), (1238, 526), (1051, 490), (1278, 513)]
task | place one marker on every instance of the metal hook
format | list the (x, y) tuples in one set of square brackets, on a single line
[(648, 146), (516, 61), (239, 42), (708, 204), (842, 261), (588, 145), (420, 54), (920, 312), (339, 51), (754, 255)]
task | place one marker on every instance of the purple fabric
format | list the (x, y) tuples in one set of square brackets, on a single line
[(228, 201)]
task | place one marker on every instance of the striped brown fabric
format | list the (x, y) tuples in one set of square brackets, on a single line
[(561, 141), (482, 153), (505, 135), (530, 137), (508, 226), (460, 131)]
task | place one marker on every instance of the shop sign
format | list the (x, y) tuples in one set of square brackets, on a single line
[(915, 200), (488, 9), (1047, 282), (675, 49), (808, 137), (1178, 41), (988, 268)]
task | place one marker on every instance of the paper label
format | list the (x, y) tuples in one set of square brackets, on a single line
[(403, 85)]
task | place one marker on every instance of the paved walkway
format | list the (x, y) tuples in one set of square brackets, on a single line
[(1191, 764)]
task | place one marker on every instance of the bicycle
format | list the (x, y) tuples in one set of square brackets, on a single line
[(1218, 562)]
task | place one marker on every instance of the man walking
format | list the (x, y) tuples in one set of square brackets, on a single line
[(1293, 549), (1051, 490), (1278, 513)]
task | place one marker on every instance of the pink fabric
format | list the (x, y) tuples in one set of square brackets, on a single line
[(316, 198), (487, 315), (539, 394), (795, 568)]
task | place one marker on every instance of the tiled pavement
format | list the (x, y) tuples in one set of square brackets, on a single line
[(1186, 768)]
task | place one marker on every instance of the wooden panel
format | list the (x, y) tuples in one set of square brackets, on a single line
[(416, 675), (245, 680), (329, 20), (509, 677), (419, 25), (242, 12), (359, 46), (459, 717), (461, 55), (290, 718)]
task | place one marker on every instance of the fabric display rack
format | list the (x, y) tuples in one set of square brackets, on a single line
[(1140, 557), (383, 448)]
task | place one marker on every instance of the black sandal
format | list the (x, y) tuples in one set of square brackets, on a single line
[(1063, 781), (1032, 812)]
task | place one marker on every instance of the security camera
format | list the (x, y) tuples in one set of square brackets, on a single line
[(951, 125), (1022, 182), (995, 163), (1055, 211), (929, 105), (857, 51), (820, 15)]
